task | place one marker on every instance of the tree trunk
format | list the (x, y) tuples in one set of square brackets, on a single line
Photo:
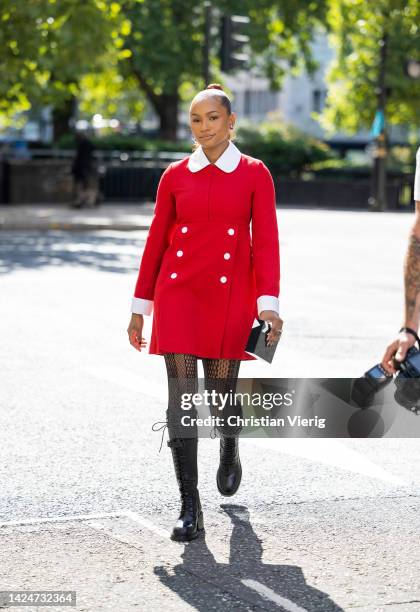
[(167, 109), (165, 105)]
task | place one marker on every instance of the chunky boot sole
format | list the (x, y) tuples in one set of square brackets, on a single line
[(192, 534)]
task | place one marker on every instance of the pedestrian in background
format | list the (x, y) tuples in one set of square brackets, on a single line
[(206, 282), (85, 178)]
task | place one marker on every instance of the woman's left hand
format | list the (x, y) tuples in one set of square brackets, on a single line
[(276, 325)]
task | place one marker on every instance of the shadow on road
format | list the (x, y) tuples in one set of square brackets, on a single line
[(102, 251), (245, 583)]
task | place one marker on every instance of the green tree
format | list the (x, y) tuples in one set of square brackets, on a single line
[(357, 29), (48, 45)]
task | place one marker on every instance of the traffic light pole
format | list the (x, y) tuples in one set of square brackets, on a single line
[(206, 50), (378, 198)]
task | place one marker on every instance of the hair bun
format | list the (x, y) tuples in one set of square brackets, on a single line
[(215, 86)]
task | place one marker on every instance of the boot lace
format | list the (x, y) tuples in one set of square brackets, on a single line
[(229, 452), (163, 426)]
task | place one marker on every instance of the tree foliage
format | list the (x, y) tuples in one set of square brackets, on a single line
[(48, 45), (56, 49), (357, 29), (115, 56)]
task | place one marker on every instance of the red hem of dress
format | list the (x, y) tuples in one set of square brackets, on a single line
[(244, 357)]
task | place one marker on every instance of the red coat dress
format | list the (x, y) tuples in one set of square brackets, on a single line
[(201, 273)]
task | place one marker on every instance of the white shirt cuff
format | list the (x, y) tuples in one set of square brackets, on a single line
[(268, 302), (142, 306)]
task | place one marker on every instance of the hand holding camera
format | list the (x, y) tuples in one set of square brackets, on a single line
[(397, 350), (401, 357)]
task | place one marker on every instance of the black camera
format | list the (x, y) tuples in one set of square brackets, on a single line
[(365, 388), (407, 383), (410, 367)]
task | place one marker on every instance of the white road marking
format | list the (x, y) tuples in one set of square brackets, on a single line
[(56, 519), (94, 521), (271, 595), (146, 524), (118, 533)]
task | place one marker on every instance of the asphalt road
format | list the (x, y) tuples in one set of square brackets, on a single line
[(87, 501)]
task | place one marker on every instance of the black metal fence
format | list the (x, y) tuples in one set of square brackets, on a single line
[(132, 177)]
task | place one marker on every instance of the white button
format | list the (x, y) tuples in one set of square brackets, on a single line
[(223, 279), (179, 253), (226, 255), (174, 275), (184, 229), (231, 231)]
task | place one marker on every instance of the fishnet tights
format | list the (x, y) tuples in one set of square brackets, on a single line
[(219, 374), (184, 365)]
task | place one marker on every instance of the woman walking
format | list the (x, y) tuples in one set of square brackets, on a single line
[(206, 281)]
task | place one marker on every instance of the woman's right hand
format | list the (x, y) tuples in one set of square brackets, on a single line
[(134, 330)]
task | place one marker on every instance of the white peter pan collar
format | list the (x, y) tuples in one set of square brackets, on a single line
[(228, 161)]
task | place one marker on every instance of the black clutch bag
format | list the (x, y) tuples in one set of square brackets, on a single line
[(257, 342)]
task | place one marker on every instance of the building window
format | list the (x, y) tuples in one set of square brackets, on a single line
[(259, 102), (318, 97), (247, 102)]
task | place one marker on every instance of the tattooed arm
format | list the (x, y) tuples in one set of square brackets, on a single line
[(412, 276), (401, 344)]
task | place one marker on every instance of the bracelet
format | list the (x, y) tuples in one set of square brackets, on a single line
[(408, 330)]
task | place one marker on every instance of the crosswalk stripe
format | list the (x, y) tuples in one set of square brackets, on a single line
[(271, 595)]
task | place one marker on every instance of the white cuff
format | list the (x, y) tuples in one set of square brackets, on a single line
[(268, 302), (142, 306)]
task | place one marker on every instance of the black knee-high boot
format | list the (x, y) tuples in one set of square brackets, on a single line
[(229, 473), (190, 522)]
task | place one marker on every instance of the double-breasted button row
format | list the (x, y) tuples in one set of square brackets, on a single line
[(180, 253)]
